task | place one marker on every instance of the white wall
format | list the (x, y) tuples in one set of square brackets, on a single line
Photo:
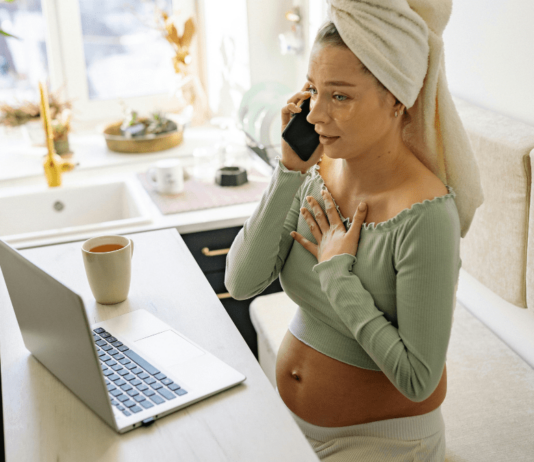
[(489, 55), (226, 53), (265, 21)]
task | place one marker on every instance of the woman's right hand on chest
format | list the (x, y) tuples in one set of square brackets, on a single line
[(290, 158)]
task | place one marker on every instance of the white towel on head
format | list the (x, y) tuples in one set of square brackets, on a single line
[(400, 42)]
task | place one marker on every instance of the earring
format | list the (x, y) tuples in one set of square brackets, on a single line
[(396, 114)]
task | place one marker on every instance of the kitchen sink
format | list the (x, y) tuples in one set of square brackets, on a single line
[(49, 212)]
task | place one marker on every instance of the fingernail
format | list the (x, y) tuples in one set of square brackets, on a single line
[(362, 206)]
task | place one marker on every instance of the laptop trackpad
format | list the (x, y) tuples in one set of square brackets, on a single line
[(169, 348)]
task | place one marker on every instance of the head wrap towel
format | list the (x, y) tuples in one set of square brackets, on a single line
[(400, 42)]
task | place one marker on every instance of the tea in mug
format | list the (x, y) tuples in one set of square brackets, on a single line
[(106, 248)]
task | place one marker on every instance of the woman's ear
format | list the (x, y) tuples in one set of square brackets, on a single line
[(392, 102)]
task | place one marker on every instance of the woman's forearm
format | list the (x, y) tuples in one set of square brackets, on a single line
[(261, 246)]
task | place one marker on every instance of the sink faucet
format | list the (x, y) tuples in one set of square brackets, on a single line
[(53, 165)]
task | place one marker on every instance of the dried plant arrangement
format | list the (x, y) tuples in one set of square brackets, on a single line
[(166, 25), (188, 87), (180, 44), (24, 112)]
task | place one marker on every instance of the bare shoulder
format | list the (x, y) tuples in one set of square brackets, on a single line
[(425, 185)]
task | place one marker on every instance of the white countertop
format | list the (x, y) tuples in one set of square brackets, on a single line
[(21, 170)]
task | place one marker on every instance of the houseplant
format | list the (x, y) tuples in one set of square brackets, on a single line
[(60, 131)]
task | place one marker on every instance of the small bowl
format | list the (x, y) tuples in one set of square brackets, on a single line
[(231, 176), (141, 144)]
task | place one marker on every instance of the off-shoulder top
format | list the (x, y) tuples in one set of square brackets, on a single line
[(388, 308)]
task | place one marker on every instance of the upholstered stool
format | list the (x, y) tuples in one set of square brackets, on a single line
[(270, 315)]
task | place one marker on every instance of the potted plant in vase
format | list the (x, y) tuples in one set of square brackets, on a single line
[(60, 132)]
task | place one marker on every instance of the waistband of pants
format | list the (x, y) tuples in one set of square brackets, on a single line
[(402, 428)]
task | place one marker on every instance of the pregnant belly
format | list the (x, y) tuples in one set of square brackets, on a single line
[(329, 393)]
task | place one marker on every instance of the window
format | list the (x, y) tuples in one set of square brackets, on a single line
[(104, 53), (124, 55), (112, 53), (23, 61)]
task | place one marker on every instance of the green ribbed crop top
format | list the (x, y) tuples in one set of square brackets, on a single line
[(389, 307)]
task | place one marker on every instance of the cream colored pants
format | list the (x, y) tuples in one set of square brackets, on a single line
[(406, 439)]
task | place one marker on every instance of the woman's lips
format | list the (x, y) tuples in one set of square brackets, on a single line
[(328, 139)]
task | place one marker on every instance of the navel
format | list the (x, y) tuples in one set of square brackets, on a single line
[(295, 376)]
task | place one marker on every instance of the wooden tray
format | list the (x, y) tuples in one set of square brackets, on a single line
[(141, 144)]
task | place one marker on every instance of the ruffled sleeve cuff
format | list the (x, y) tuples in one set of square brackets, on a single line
[(338, 265), (298, 173)]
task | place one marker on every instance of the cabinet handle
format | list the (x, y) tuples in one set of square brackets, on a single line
[(212, 253), (225, 295)]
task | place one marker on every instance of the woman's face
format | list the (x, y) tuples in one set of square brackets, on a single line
[(346, 103)]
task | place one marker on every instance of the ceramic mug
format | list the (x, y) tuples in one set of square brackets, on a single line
[(108, 264), (167, 176)]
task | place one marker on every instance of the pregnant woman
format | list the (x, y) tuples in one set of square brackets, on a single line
[(365, 237)]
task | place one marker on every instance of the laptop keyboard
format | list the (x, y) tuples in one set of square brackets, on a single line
[(133, 383)]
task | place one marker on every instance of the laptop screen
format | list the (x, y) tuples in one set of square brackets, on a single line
[(55, 329)]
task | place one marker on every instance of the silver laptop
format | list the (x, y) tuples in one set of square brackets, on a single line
[(130, 370)]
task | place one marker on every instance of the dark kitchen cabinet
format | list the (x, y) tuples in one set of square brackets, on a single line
[(209, 248)]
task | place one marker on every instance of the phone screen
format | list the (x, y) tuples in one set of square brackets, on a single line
[(300, 134)]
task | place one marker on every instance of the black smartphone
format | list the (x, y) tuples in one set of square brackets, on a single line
[(300, 134)]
